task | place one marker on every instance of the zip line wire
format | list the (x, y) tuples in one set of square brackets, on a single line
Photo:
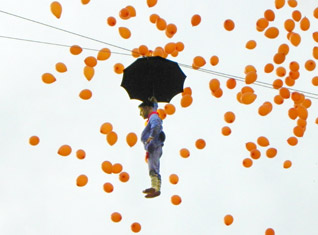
[(238, 78)]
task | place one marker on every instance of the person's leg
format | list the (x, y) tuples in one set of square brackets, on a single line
[(154, 172)]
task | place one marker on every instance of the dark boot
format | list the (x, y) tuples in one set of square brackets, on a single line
[(156, 184)]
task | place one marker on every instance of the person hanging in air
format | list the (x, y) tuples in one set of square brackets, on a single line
[(153, 139)]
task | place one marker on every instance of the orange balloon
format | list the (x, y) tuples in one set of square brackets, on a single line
[(292, 113), (307, 103), (249, 68), (280, 71), (162, 114), (261, 24), (226, 131), (301, 122), (117, 168), (265, 109), (174, 179), (294, 66), (107, 167), (151, 3), (278, 99), (272, 32), (119, 68), (279, 3), (124, 14), (111, 138), (302, 112), (116, 217), (289, 25), (250, 77), (171, 29), (268, 68), (228, 220), (131, 139), (108, 187), (250, 146), (76, 50), (314, 81), (161, 24), (310, 65), (135, 53), (229, 117), (287, 164), (111, 21), (199, 61), (124, 177), (48, 78), (195, 20), (186, 101), (279, 58), (135, 227), (269, 15), (295, 38), (269, 231), (296, 15), (90, 61), (132, 11), (315, 52), (176, 200), (124, 32), (229, 24), (289, 81), (61, 67), (218, 93), (170, 109), (247, 162), (179, 46), (292, 141), (214, 60), (187, 91), (299, 131), (185, 153), (200, 144), (56, 9), (315, 36), (214, 84), (262, 141), (153, 18), (89, 72), (64, 150), (103, 54), (80, 154), (255, 154), (248, 98), (271, 152), (315, 13), (143, 50), (231, 83), (81, 180), (106, 128), (85, 94), (170, 47), (283, 48), (34, 140), (304, 24), (284, 92), (251, 44), (292, 3)]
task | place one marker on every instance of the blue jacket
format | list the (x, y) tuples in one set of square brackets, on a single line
[(153, 129)]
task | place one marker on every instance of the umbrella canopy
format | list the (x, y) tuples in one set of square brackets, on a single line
[(153, 76)]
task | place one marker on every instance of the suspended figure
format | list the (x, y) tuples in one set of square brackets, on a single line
[(160, 79), (153, 139)]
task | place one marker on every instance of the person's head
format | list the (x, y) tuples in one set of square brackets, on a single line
[(146, 108)]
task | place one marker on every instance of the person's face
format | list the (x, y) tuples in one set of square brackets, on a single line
[(144, 112)]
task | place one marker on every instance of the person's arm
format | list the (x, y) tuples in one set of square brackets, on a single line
[(155, 128)]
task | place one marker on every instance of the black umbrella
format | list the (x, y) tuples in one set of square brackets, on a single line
[(153, 76)]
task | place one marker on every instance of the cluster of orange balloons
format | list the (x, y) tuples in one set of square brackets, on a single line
[(116, 217)]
